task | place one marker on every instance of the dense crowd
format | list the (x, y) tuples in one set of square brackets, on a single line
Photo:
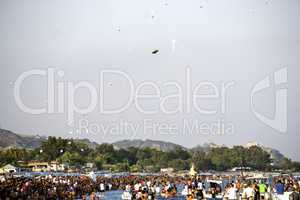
[(70, 187), (281, 188), (47, 188), (146, 187)]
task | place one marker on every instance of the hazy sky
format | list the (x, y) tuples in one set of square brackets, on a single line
[(240, 41)]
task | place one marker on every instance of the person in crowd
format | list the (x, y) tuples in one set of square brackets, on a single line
[(248, 192), (295, 193), (262, 189), (279, 187), (232, 192)]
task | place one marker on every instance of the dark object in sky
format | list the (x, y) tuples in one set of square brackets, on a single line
[(155, 51)]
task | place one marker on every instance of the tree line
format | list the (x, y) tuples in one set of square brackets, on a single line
[(77, 153)]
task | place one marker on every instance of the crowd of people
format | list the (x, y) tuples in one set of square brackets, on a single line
[(281, 188), (147, 190), (82, 187), (146, 187), (40, 188)]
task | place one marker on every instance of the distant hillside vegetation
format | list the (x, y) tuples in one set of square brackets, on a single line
[(10, 139), (155, 144)]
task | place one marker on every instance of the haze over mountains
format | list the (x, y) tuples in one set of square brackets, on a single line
[(155, 144), (10, 139)]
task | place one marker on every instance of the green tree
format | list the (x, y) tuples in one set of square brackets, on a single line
[(201, 161), (73, 158)]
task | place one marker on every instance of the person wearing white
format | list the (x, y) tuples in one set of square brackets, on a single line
[(200, 186), (249, 192), (102, 187), (157, 190), (232, 193)]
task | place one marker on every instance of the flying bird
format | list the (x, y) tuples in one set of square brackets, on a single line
[(155, 51)]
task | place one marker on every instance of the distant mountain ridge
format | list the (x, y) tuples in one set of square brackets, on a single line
[(154, 144), (9, 139), (92, 145), (275, 155)]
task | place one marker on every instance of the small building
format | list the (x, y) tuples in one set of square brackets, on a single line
[(168, 170), (238, 169), (8, 169), (56, 166), (46, 167), (89, 165), (38, 166)]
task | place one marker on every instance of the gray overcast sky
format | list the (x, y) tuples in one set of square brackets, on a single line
[(236, 40)]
